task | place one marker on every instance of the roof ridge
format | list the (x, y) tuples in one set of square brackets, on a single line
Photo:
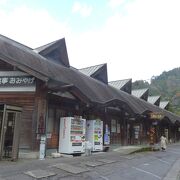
[(155, 96), (20, 44), (120, 80), (140, 89), (93, 66), (45, 46)]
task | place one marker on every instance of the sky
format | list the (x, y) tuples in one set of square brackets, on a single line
[(137, 39)]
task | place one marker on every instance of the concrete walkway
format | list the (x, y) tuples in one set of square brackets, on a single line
[(124, 150), (174, 173), (25, 165)]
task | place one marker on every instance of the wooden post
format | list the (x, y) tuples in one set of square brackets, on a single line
[(124, 129), (39, 119)]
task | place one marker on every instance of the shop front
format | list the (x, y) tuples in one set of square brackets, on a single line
[(47, 91), (10, 123), (115, 132)]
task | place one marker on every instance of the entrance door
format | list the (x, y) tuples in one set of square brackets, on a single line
[(1, 126), (9, 123)]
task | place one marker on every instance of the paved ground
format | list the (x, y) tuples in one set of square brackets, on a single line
[(174, 172), (114, 165)]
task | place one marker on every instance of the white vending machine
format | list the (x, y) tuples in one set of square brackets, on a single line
[(72, 135), (94, 134)]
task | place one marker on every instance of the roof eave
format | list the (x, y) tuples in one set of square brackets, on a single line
[(24, 68)]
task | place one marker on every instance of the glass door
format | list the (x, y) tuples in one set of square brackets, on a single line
[(10, 119), (1, 122), (1, 131), (9, 134)]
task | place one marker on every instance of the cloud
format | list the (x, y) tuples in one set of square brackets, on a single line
[(115, 3), (31, 27), (138, 45), (83, 9), (3, 2)]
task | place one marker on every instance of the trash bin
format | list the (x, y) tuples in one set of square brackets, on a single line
[(88, 148)]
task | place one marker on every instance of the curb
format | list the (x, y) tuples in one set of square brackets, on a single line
[(174, 172)]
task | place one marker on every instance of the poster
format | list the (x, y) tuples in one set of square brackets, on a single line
[(107, 135), (118, 128), (113, 126)]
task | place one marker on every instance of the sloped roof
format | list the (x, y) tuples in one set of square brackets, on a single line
[(95, 91), (122, 85), (171, 116), (163, 104), (89, 71), (35, 64), (45, 47), (55, 51), (141, 93), (98, 72), (154, 100)]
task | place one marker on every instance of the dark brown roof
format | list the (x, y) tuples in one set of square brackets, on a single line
[(95, 91), (141, 93), (98, 72), (124, 85), (154, 100), (55, 51), (164, 104)]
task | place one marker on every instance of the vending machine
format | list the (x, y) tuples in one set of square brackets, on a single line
[(94, 134), (72, 135)]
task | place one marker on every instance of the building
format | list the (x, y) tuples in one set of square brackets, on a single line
[(38, 86)]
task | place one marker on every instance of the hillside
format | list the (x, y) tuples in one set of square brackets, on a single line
[(167, 85)]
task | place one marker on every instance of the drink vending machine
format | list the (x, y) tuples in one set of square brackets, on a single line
[(72, 135), (94, 134)]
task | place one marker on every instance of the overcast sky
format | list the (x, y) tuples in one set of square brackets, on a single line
[(137, 39)]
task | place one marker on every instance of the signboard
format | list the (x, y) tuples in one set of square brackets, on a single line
[(16, 81), (156, 115), (136, 131), (42, 147)]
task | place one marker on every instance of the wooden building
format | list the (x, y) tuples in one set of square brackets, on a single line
[(123, 85), (141, 93), (39, 86), (154, 100)]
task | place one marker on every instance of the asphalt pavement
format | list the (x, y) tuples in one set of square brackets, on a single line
[(174, 172), (119, 163)]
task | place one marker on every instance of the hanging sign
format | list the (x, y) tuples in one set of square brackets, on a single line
[(156, 115)]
